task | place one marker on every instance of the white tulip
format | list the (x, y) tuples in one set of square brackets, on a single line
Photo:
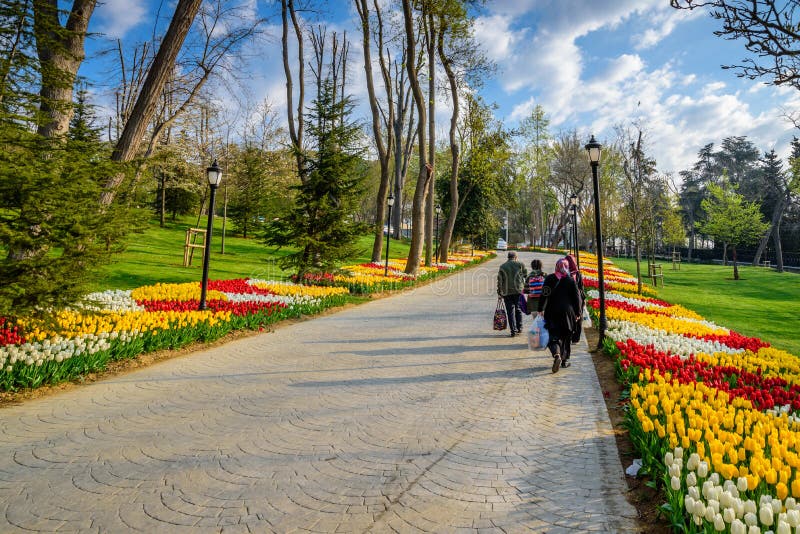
[(668, 458), (710, 514), (694, 492), (783, 528), (777, 506), (691, 479), (750, 507), (674, 470), (793, 517), (725, 499), (719, 523), (765, 515), (741, 483), (702, 469), (699, 508), (714, 478), (750, 519), (688, 503), (678, 452), (707, 485), (790, 503), (728, 514), (737, 527), (714, 505)]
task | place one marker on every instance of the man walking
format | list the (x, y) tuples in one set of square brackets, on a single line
[(510, 285)]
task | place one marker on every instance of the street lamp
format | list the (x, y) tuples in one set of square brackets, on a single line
[(438, 212), (593, 148), (573, 203), (214, 177), (390, 203)]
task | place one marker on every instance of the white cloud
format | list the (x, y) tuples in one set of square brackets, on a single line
[(117, 17)]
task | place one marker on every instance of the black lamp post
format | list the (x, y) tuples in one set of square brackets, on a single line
[(593, 148), (438, 212), (214, 176), (390, 203), (573, 204)]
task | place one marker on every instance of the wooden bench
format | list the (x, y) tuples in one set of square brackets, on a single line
[(654, 272), (191, 243), (676, 261)]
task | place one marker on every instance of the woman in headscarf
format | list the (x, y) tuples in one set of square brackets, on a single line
[(575, 273), (561, 305)]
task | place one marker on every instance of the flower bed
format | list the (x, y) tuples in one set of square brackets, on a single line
[(116, 325), (714, 414)]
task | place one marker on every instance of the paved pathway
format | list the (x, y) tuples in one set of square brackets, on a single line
[(405, 414)]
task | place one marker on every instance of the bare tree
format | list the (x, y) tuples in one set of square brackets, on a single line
[(146, 102), (296, 124), (425, 169), (769, 29)]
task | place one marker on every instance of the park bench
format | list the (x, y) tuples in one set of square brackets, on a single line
[(654, 272)]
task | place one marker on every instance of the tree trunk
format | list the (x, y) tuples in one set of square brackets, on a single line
[(383, 149), (295, 131), (425, 172), (777, 214), (60, 54), (144, 108), (430, 203), (735, 264), (776, 235), (455, 154)]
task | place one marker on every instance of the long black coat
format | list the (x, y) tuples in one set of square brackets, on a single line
[(561, 303)]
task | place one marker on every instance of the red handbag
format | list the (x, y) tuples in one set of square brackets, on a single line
[(500, 318)]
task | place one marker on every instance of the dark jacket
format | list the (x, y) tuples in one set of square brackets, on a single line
[(561, 304), (511, 278)]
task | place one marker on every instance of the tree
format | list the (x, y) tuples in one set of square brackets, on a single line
[(731, 219), (425, 174), (49, 196), (769, 29), (536, 158), (60, 52), (320, 225), (145, 105)]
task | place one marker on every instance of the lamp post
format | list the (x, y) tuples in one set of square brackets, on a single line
[(593, 148), (438, 212), (573, 204), (505, 223), (390, 203), (214, 177)]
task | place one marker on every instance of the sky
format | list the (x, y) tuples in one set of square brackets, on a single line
[(591, 64)]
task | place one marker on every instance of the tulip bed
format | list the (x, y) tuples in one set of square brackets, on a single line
[(116, 325), (714, 414)]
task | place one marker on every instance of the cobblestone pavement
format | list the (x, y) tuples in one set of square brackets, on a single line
[(405, 414)]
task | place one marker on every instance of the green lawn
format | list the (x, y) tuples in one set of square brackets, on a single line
[(157, 256), (762, 303)]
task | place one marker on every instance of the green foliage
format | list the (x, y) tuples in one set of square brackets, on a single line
[(321, 225), (730, 219), (52, 228)]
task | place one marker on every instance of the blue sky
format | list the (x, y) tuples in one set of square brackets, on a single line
[(592, 64)]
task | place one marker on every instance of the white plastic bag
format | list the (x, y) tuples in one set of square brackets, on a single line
[(587, 321), (538, 335)]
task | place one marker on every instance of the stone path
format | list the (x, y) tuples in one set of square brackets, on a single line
[(406, 414)]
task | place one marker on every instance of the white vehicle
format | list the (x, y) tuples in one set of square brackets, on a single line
[(501, 244)]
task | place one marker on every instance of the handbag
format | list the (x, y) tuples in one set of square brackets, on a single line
[(523, 304), (500, 318), (587, 321)]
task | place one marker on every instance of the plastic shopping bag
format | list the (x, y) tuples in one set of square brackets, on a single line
[(538, 336), (587, 321)]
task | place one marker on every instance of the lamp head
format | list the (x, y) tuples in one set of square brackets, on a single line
[(214, 174), (390, 200), (593, 148), (573, 200)]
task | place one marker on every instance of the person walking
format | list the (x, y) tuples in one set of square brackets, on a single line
[(533, 286), (510, 285), (575, 273), (561, 305)]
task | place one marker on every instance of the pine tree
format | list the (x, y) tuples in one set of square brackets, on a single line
[(321, 224)]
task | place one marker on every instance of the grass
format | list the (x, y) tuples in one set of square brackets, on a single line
[(762, 303), (157, 256)]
